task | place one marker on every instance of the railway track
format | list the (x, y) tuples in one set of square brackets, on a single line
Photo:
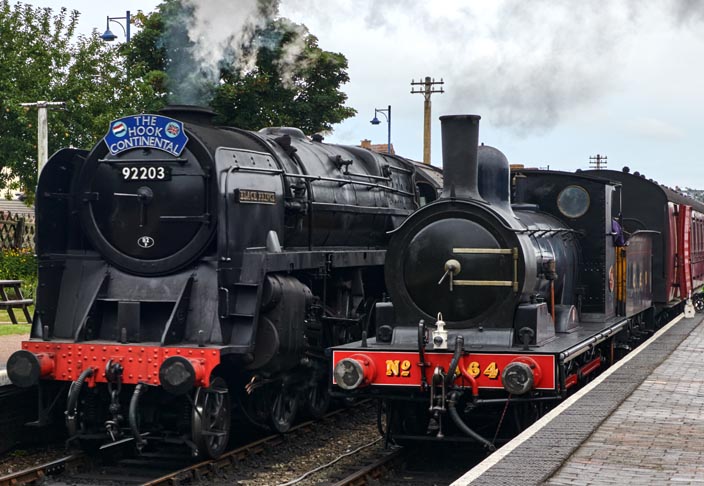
[(141, 470), (410, 466), (374, 472), (36, 475)]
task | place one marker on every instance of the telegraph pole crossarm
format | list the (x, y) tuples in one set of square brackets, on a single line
[(598, 161)]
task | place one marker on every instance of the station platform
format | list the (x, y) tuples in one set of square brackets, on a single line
[(640, 422), (8, 345)]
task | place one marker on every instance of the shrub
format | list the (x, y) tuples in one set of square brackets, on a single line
[(20, 265)]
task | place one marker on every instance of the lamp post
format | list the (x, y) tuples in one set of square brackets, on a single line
[(109, 36), (375, 121)]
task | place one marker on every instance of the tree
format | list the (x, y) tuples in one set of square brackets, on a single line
[(284, 86), (41, 60), (697, 194)]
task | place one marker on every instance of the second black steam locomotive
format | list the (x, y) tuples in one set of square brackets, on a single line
[(499, 307), (190, 273)]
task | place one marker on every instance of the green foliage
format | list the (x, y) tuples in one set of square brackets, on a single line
[(304, 93), (41, 60), (20, 265), (292, 81)]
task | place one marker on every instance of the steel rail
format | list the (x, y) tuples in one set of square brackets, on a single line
[(373, 472), (197, 472), (37, 474)]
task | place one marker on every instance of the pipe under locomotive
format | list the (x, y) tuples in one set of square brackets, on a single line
[(498, 310), (191, 275)]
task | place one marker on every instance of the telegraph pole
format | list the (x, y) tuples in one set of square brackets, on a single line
[(598, 162), (427, 90), (43, 130)]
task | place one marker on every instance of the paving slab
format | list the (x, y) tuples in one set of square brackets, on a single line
[(637, 423)]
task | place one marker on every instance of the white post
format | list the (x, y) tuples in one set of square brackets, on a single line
[(43, 130), (42, 136)]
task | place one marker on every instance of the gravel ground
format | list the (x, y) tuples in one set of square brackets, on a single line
[(301, 452), (298, 454), (434, 465), (20, 459), (425, 464)]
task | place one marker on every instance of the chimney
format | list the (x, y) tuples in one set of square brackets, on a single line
[(494, 177), (460, 137), (189, 114), (367, 144)]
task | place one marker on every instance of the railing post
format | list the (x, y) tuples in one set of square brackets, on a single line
[(19, 233)]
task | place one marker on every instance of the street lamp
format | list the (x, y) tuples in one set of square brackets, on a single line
[(375, 121), (109, 36)]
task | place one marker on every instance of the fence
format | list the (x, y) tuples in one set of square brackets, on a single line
[(16, 231)]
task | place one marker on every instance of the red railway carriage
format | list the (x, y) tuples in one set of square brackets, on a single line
[(678, 248), (697, 248)]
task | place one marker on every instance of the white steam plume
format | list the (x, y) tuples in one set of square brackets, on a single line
[(222, 35), (528, 64)]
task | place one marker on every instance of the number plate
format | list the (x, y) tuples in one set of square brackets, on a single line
[(145, 173)]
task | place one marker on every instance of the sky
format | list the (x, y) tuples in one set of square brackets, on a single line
[(555, 81)]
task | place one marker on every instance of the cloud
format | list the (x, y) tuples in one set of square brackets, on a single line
[(652, 128), (530, 64)]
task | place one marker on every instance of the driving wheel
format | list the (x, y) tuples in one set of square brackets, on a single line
[(283, 410), (318, 398), (210, 421)]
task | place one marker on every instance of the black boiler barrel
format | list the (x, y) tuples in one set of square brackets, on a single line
[(460, 137)]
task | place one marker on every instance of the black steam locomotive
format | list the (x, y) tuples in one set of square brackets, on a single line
[(499, 310), (190, 273)]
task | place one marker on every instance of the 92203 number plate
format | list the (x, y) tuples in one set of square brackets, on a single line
[(145, 173)]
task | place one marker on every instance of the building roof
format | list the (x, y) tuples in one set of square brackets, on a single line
[(381, 148), (15, 207)]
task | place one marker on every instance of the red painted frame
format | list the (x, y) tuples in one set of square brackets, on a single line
[(140, 363), (547, 363)]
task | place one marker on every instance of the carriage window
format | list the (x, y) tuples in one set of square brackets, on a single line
[(573, 201)]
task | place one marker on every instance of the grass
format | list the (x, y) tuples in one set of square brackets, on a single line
[(19, 314), (8, 329), (21, 328)]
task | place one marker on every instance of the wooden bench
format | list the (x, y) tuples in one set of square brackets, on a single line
[(16, 302)]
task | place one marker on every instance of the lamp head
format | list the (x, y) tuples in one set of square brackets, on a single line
[(375, 121), (108, 36)]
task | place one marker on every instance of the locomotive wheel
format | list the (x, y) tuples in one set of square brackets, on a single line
[(283, 410), (318, 399), (210, 419), (408, 418), (699, 304)]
